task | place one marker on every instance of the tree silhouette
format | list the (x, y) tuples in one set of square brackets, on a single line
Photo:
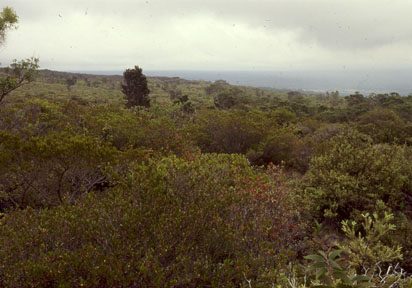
[(135, 88)]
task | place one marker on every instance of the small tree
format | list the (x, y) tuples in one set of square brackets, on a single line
[(8, 20), (186, 105), (135, 88), (20, 72), (70, 82)]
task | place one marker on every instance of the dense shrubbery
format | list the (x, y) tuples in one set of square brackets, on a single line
[(159, 227), (350, 176), (94, 194), (385, 126), (369, 262), (264, 137), (49, 170)]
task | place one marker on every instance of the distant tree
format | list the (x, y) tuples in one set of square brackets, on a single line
[(384, 126), (355, 99), (224, 100), (135, 88), (217, 87), (334, 98), (70, 82), (228, 98), (186, 105), (387, 100), (357, 104)]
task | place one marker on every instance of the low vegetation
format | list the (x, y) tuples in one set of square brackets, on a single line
[(95, 194)]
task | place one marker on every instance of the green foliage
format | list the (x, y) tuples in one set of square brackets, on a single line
[(263, 137), (186, 105), (217, 87), (226, 99), (46, 171), (94, 194), (8, 20), (353, 174), (70, 82), (357, 104), (228, 131), (365, 252), (283, 116), (366, 261), (403, 239), (328, 272), (17, 75), (278, 147), (159, 228), (135, 88), (128, 128), (384, 126)]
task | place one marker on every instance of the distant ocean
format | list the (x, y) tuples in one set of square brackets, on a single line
[(346, 82)]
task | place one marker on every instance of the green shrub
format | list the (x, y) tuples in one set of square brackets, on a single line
[(384, 126), (281, 145), (363, 259), (125, 128), (210, 221), (228, 131), (353, 174), (49, 170)]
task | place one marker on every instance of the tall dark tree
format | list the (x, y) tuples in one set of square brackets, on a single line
[(135, 88)]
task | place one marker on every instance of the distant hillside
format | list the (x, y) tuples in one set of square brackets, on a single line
[(345, 81), (46, 73)]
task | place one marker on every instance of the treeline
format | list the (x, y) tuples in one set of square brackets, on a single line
[(213, 185)]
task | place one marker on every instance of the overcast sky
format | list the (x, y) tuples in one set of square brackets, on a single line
[(212, 34)]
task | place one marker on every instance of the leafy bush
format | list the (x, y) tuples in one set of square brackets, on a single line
[(384, 126), (262, 137), (281, 145), (229, 131), (133, 129), (211, 221), (363, 260), (49, 170), (365, 252), (353, 174)]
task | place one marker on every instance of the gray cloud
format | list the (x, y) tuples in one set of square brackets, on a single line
[(212, 34), (332, 23)]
